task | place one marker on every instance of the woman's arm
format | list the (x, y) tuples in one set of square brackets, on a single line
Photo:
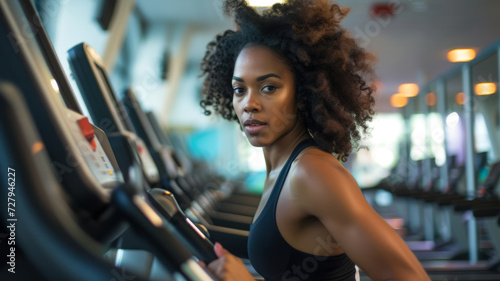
[(327, 191)]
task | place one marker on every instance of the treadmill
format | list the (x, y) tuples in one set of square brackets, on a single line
[(101, 205)]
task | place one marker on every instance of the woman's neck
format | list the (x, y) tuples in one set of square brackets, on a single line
[(278, 153)]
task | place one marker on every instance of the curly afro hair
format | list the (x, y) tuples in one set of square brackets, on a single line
[(333, 74)]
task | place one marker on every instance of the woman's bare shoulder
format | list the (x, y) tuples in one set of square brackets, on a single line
[(313, 155), (318, 173)]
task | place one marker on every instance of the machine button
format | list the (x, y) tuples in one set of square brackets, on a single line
[(88, 132)]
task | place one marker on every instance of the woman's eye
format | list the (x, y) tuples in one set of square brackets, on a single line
[(238, 90), (269, 88)]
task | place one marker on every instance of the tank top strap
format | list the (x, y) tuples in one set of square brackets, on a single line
[(284, 171)]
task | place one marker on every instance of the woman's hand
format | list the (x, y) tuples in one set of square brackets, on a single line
[(228, 267)]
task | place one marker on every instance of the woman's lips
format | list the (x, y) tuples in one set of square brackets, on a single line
[(254, 126), (254, 129)]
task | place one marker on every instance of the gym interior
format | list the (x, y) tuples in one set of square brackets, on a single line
[(110, 170)]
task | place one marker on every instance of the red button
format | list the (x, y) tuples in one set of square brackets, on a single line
[(87, 131)]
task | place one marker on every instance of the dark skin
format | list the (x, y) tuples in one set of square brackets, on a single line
[(319, 199)]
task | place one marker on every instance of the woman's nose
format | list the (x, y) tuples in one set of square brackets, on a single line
[(252, 103)]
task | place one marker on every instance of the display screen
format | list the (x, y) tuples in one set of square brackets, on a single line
[(115, 103)]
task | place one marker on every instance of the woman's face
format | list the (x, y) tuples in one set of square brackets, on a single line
[(264, 96)]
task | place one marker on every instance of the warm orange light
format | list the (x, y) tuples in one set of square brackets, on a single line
[(461, 55), (399, 100), (36, 147), (460, 98), (408, 90), (430, 99), (483, 89)]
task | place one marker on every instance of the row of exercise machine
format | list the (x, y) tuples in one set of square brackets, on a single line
[(446, 183), (101, 199)]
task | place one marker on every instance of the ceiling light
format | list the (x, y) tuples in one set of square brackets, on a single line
[(399, 100), (430, 99), (408, 90), (263, 3), (483, 89), (461, 55), (460, 98)]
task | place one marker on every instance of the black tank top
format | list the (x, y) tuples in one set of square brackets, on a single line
[(274, 259)]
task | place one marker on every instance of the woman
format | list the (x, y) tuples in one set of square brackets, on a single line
[(298, 85)]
